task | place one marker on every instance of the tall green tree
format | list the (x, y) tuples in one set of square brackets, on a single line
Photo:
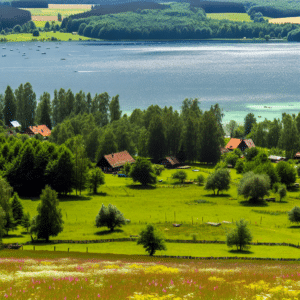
[(29, 106), (231, 127), (19, 96), (210, 137), (250, 120), (114, 108), (17, 209), (55, 109), (49, 221), (10, 108), (62, 105), (143, 143), (274, 133), (43, 111), (89, 102), (157, 138), (95, 179), (80, 105), (70, 102), (190, 138), (108, 144), (103, 108), (143, 172)]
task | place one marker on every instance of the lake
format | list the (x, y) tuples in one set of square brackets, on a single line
[(241, 77)]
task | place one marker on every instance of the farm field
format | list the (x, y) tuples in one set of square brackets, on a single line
[(45, 275), (42, 23), (235, 17), (27, 37), (294, 20), (168, 203), (54, 12)]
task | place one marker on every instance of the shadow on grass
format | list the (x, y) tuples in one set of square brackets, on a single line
[(293, 189), (294, 226), (10, 236), (31, 198), (216, 196), (64, 198), (25, 232), (106, 232), (241, 252), (253, 204), (141, 187), (103, 194)]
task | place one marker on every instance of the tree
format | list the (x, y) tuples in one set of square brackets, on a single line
[(17, 209), (240, 236), (219, 180), (43, 112), (95, 178), (250, 120), (200, 179), (35, 33), (151, 240), (286, 172), (19, 96), (180, 175), (59, 18), (231, 159), (294, 215), (239, 166), (282, 191), (29, 99), (190, 138), (107, 144), (250, 153), (49, 220), (157, 138), (231, 127), (142, 171), (110, 217), (55, 109), (210, 139), (254, 186), (114, 108), (10, 223), (26, 221), (10, 108)]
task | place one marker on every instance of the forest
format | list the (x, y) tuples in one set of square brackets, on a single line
[(179, 21), (11, 16)]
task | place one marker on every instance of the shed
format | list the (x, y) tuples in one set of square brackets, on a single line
[(14, 124), (240, 143), (115, 161), (169, 162)]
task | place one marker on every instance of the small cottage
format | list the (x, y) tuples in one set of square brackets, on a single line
[(43, 130), (115, 161), (169, 162), (242, 144)]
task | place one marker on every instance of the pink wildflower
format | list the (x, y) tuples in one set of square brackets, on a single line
[(5, 295), (164, 290), (99, 296), (215, 288), (172, 282)]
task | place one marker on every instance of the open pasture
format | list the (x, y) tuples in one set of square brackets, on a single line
[(235, 17), (167, 203), (54, 12), (48, 275), (43, 21), (292, 20)]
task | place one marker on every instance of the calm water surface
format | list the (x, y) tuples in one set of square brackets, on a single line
[(242, 78)]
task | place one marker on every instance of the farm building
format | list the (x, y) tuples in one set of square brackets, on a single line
[(274, 158), (115, 161), (14, 124), (169, 162), (43, 130), (224, 150), (239, 143)]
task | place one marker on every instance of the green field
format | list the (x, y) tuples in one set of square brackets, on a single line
[(166, 204), (235, 17), (42, 23), (44, 36), (54, 12)]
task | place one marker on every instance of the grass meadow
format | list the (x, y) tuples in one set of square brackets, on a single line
[(47, 275), (42, 23), (44, 36), (167, 203), (235, 17), (55, 11)]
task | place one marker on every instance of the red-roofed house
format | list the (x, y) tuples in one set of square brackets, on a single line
[(113, 162), (43, 130), (239, 143)]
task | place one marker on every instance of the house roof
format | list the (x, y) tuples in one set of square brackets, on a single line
[(15, 123), (234, 143), (223, 150), (41, 129), (119, 159), (172, 160)]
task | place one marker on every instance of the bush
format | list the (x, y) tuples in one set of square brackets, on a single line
[(200, 179), (254, 186), (151, 240), (219, 180), (231, 159), (240, 236), (282, 191), (221, 165), (180, 176), (250, 153), (35, 33), (143, 172), (95, 178), (294, 215), (239, 166), (110, 217), (158, 169), (286, 173)]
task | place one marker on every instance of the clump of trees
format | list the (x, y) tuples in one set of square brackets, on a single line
[(219, 180), (143, 172), (180, 175)]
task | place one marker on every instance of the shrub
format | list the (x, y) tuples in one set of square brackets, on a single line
[(250, 153), (231, 159), (158, 169), (239, 166), (286, 173), (200, 179), (151, 240), (180, 175), (282, 191), (294, 215), (143, 172), (110, 217), (240, 236), (95, 178), (219, 180), (35, 33)]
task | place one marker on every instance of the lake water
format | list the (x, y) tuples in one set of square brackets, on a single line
[(242, 78)]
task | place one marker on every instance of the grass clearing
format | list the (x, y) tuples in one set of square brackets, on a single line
[(54, 12), (57, 275), (235, 17), (42, 23), (44, 36)]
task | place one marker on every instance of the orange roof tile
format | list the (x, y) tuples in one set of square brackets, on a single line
[(119, 159), (41, 129), (233, 143)]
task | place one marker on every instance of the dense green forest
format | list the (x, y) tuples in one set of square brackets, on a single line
[(179, 21)]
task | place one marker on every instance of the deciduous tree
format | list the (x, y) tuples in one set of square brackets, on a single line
[(95, 179), (142, 171), (17, 208)]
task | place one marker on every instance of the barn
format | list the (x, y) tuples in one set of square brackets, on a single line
[(169, 162), (115, 161), (243, 144), (43, 130)]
